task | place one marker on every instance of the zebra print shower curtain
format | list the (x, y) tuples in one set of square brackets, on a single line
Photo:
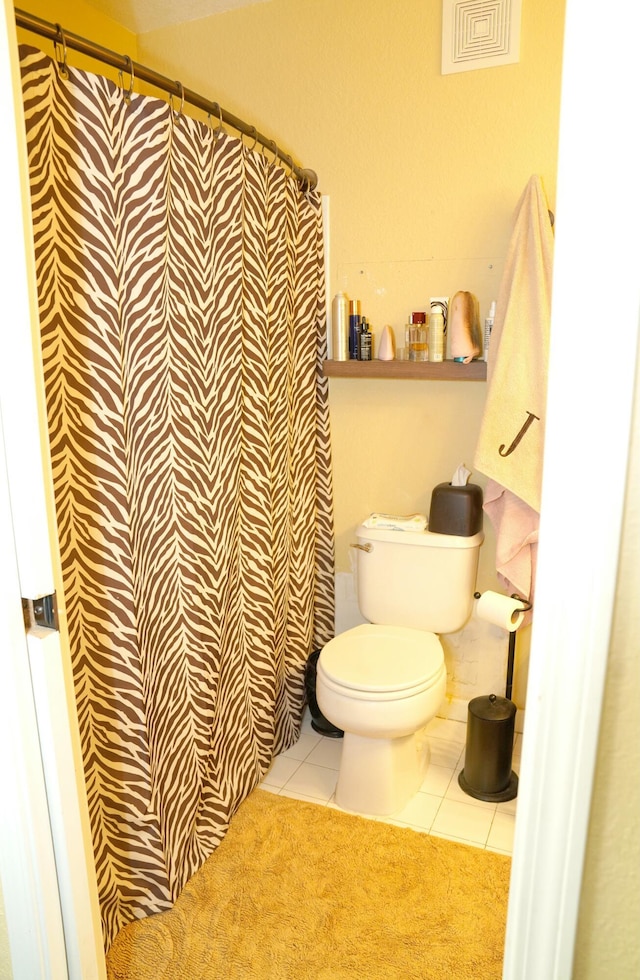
[(180, 282)]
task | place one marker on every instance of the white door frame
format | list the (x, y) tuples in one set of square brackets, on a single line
[(35, 935), (46, 859), (593, 357)]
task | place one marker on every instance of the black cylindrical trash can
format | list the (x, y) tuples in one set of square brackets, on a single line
[(487, 773), (319, 723)]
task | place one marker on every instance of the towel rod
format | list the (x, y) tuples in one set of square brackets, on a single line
[(308, 178)]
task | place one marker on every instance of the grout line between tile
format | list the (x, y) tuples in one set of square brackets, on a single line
[(458, 764)]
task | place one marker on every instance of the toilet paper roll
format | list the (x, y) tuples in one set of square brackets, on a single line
[(501, 610)]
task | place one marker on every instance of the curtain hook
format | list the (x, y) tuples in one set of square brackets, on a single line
[(271, 145), (252, 132), (176, 115), (63, 69), (129, 92), (263, 151), (289, 160), (274, 146), (217, 133)]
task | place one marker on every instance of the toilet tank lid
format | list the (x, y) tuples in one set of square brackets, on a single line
[(424, 539), (372, 657)]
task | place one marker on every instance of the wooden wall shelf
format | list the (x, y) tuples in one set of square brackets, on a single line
[(407, 370)]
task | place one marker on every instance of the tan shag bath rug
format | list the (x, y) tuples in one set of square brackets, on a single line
[(297, 890)]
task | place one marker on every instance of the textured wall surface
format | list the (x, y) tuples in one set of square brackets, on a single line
[(611, 885)]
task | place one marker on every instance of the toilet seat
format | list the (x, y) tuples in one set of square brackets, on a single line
[(374, 662)]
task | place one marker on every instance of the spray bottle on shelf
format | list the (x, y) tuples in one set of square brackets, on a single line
[(488, 327), (340, 327), (365, 341), (419, 337), (354, 328)]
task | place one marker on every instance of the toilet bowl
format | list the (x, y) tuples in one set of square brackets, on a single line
[(382, 685)]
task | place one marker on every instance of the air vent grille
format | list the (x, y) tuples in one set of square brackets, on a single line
[(479, 34)]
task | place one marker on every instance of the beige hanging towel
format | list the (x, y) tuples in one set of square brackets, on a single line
[(511, 441)]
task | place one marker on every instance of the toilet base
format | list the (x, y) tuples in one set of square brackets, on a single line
[(380, 775)]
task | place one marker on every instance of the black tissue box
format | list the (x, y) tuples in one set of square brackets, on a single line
[(456, 510)]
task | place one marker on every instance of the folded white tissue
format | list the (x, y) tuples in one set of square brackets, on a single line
[(391, 522), (461, 476)]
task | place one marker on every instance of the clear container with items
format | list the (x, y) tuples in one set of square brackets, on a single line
[(418, 337)]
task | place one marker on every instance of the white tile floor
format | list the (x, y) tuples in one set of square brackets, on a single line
[(309, 771)]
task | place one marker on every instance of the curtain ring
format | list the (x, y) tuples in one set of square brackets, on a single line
[(217, 133), (176, 115), (129, 92), (288, 160), (63, 70), (274, 147), (252, 132), (271, 145)]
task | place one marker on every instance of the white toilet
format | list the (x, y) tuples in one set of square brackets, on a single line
[(383, 682)]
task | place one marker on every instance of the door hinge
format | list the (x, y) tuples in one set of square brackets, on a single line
[(42, 612)]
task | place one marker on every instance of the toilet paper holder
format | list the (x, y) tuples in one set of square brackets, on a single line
[(526, 607)]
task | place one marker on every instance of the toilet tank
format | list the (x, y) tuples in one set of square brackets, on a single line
[(416, 578)]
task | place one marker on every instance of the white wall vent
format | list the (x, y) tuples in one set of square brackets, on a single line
[(479, 34)]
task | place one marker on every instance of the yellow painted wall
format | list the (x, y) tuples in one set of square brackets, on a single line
[(607, 937)]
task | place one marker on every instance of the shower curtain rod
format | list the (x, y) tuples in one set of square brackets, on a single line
[(308, 178)]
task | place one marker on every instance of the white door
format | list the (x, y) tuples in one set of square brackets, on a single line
[(46, 862)]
